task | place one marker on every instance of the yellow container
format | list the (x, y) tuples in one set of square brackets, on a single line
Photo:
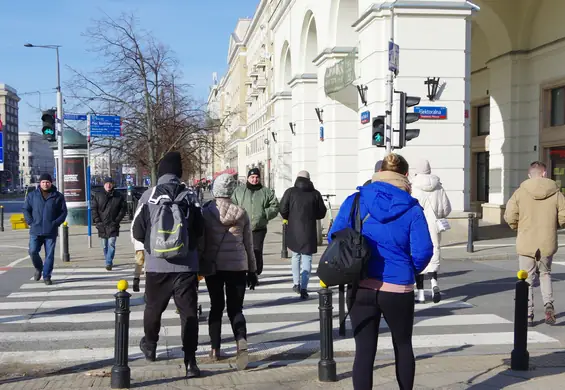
[(18, 222)]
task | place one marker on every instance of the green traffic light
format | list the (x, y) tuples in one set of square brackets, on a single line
[(48, 132), (378, 137)]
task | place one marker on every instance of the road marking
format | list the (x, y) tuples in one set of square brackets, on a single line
[(16, 262)]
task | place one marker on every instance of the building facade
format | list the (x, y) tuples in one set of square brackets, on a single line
[(501, 91), (36, 157), (9, 148)]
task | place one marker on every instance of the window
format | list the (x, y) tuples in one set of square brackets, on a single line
[(483, 120), (482, 184), (557, 110)]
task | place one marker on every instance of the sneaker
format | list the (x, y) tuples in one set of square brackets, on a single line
[(296, 288), (108, 268), (37, 275), (192, 370), (48, 281), (436, 294), (150, 354), (304, 294), (421, 297), (242, 359), (531, 320), (549, 314), (135, 284)]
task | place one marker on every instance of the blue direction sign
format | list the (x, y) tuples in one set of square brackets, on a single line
[(365, 117), (74, 117), (431, 112), (105, 126), (1, 148), (393, 57)]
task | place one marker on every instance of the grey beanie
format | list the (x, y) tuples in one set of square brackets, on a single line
[(422, 167), (304, 174), (224, 186)]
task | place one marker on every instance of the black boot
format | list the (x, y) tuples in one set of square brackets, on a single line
[(150, 353), (192, 370), (135, 284)]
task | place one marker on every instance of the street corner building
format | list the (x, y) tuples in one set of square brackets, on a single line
[(306, 78)]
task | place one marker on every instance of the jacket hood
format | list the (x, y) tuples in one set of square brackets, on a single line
[(426, 182), (171, 185), (540, 188), (304, 184), (224, 211), (385, 201)]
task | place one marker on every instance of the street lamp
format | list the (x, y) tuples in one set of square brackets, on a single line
[(60, 146)]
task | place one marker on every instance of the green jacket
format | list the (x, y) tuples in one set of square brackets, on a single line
[(261, 205)]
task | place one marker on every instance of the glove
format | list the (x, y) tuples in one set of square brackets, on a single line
[(251, 280)]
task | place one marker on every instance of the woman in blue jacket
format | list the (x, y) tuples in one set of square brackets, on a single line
[(401, 248)]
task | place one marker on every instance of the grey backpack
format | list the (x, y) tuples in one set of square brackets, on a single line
[(169, 225)]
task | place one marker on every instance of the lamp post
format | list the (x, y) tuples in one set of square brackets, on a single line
[(61, 162)]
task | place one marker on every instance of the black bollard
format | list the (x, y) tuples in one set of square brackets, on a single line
[(470, 235), (326, 365), (121, 373), (284, 250), (520, 356), (66, 254), (1, 218), (341, 304)]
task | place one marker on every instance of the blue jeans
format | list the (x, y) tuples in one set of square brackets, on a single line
[(35, 244), (299, 276), (109, 247)]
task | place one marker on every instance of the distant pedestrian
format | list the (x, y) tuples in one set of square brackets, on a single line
[(302, 205), (169, 224), (228, 264), (44, 210), (432, 197), (378, 166), (537, 210), (261, 205), (108, 209)]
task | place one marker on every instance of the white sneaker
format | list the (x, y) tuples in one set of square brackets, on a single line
[(421, 296)]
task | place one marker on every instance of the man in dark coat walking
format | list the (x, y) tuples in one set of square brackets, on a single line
[(108, 209), (302, 205)]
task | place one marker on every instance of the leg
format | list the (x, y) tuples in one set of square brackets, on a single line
[(50, 244), (185, 293), (305, 275), (544, 266), (420, 288), (365, 320), (158, 291), (104, 244), (215, 285), (398, 311), (111, 250), (529, 264), (235, 293), (258, 240), (295, 264), (435, 287), (35, 244)]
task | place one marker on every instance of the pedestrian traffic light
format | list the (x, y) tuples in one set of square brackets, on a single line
[(48, 130), (379, 131), (406, 118)]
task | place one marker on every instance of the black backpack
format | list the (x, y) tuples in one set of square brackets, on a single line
[(345, 259)]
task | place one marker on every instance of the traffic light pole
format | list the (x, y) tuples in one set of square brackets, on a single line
[(390, 92), (60, 147)]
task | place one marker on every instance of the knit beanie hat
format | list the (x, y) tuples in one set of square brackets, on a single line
[(45, 176), (422, 167), (171, 164), (254, 171), (378, 165), (224, 186), (304, 174), (108, 180)]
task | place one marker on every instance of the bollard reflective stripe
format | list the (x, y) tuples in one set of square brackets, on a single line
[(121, 373), (326, 365), (520, 356)]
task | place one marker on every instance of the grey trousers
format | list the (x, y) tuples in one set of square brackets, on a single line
[(543, 265)]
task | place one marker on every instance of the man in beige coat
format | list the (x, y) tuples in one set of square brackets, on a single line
[(536, 210)]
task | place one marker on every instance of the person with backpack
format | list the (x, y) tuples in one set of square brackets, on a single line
[(169, 224), (395, 232), (227, 263)]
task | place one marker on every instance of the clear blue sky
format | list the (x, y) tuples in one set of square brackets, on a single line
[(197, 31)]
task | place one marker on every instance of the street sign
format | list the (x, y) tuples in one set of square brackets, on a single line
[(74, 117), (105, 126), (393, 57), (321, 132), (1, 151), (431, 112), (365, 117)]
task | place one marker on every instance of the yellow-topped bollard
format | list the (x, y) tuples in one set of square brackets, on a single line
[(65, 224), (285, 221), (323, 285), (66, 253), (123, 285), (522, 274)]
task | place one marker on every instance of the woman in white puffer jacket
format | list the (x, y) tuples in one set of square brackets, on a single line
[(428, 190)]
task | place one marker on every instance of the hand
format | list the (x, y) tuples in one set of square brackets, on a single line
[(251, 280)]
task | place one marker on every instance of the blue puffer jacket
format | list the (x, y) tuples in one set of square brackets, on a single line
[(396, 231), (44, 216)]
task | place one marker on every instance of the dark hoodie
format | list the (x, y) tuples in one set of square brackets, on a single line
[(44, 214), (397, 231)]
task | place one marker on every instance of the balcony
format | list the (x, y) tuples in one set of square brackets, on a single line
[(254, 93), (249, 83), (262, 64), (249, 101), (261, 83), (254, 74)]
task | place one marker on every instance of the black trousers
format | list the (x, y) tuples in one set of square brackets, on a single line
[(258, 241), (420, 279), (398, 311), (235, 283), (183, 287)]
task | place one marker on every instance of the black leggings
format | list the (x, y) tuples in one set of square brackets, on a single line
[(420, 279), (398, 311)]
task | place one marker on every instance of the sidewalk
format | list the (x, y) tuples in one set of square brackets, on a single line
[(438, 372)]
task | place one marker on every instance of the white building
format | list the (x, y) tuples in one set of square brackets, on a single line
[(502, 83), (36, 157)]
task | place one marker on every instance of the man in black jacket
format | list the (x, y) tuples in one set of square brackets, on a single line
[(108, 209), (176, 277), (302, 205)]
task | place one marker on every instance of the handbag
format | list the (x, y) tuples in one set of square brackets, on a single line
[(441, 224)]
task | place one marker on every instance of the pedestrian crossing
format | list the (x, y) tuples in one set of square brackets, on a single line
[(72, 321)]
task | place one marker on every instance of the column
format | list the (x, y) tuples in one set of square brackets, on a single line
[(282, 148)]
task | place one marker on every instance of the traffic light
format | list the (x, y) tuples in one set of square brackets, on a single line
[(379, 131), (406, 118), (48, 130)]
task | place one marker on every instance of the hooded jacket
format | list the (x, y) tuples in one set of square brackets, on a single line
[(45, 215), (536, 210), (396, 230), (227, 243), (261, 205)]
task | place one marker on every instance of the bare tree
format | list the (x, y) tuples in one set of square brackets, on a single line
[(138, 82)]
